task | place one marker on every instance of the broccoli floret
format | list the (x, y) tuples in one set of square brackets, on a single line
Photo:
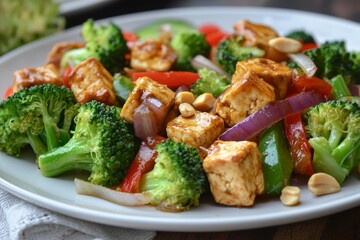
[(105, 43), (332, 59), (188, 44), (302, 36), (334, 129), (178, 179), (230, 51), (25, 21), (40, 116), (102, 144), (209, 82)]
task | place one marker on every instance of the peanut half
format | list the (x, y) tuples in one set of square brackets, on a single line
[(322, 183), (290, 195), (285, 45)]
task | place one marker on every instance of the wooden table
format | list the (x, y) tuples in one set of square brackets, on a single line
[(344, 226)]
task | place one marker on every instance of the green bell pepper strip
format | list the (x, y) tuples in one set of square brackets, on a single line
[(123, 86), (340, 89), (276, 159)]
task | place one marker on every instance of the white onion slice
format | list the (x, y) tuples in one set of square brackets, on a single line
[(199, 62), (129, 199), (304, 62)]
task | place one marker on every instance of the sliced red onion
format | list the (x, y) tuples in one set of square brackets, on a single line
[(354, 89), (270, 114), (157, 108), (130, 199), (199, 62), (304, 62), (145, 123)]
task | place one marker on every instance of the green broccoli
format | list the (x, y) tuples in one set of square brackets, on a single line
[(24, 21), (209, 82), (302, 36), (102, 144), (332, 59), (230, 51), (178, 179), (188, 44), (40, 116), (334, 134), (105, 43)]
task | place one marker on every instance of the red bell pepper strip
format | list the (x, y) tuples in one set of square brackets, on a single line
[(308, 46), (303, 83), (213, 34), (171, 79), (300, 148), (9, 91), (66, 77), (143, 163)]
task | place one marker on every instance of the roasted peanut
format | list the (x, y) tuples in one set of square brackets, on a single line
[(184, 97), (290, 196), (285, 45), (322, 183), (186, 110), (204, 102)]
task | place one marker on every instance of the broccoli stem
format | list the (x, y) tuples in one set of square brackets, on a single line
[(345, 148), (36, 143), (323, 161), (336, 134), (73, 155)]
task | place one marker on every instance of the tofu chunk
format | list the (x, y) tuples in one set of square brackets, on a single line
[(274, 73), (234, 171), (89, 80), (153, 55), (28, 77), (201, 129), (244, 97), (147, 86)]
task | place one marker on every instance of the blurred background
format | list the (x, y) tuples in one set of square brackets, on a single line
[(23, 21)]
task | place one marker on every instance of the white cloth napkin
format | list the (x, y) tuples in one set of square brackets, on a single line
[(20, 220)]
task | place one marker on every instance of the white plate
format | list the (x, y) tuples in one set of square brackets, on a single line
[(72, 6), (22, 178)]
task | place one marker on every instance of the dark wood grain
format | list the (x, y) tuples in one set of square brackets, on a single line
[(340, 226)]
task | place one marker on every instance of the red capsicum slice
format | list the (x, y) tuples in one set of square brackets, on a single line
[(303, 83), (171, 79), (9, 91), (300, 149), (143, 163), (66, 77)]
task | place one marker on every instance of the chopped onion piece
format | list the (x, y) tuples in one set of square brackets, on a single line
[(130, 199), (145, 124), (304, 62), (270, 114), (354, 89), (199, 61)]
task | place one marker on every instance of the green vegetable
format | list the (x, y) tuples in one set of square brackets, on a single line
[(276, 158), (105, 43), (123, 86), (230, 51), (340, 88), (40, 116), (209, 82), (178, 179), (302, 36), (153, 30), (188, 44), (333, 59), (102, 144), (24, 21), (334, 129)]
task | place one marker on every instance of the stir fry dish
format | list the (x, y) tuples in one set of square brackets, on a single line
[(171, 112)]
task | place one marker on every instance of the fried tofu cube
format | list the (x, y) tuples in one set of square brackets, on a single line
[(201, 129), (28, 77), (276, 74), (234, 171), (58, 50), (90, 80), (244, 97), (147, 86)]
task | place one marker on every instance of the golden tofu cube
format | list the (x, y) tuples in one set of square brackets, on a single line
[(145, 85), (244, 97), (28, 77), (234, 171), (201, 129), (90, 80), (276, 74)]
